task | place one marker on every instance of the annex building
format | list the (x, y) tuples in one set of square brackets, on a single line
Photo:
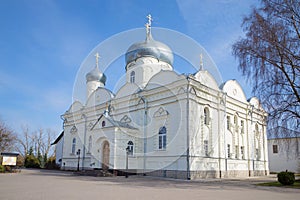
[(169, 124)]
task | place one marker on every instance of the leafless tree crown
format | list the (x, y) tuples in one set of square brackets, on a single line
[(269, 56)]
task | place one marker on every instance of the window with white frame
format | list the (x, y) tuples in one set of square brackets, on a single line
[(235, 120), (257, 145), (90, 144), (206, 147), (275, 149), (73, 145), (132, 77), (256, 130), (242, 127), (236, 151), (130, 148), (243, 152), (162, 138), (206, 116), (228, 151), (228, 122)]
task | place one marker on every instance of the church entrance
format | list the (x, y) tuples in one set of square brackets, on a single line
[(105, 155)]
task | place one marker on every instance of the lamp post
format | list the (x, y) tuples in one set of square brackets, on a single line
[(126, 172), (78, 154)]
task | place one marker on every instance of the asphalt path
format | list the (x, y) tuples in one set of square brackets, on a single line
[(56, 185)]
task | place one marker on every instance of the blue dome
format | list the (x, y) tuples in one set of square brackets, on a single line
[(149, 48), (96, 75)]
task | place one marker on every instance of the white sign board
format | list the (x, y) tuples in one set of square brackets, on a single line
[(9, 160)]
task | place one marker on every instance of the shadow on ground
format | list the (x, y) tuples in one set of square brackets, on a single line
[(156, 182)]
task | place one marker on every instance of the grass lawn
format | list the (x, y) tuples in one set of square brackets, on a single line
[(277, 184)]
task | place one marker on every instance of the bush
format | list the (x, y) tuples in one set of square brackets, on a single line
[(20, 161), (8, 168), (286, 178), (31, 162), (2, 169), (51, 164)]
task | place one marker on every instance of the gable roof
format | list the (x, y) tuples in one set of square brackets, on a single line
[(115, 123), (58, 138)]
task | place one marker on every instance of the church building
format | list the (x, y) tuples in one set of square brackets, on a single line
[(161, 123)]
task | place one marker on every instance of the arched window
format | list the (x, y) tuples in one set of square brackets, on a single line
[(130, 148), (206, 148), (235, 120), (162, 138), (103, 123), (90, 144), (132, 77), (228, 151), (206, 116), (242, 127), (73, 145), (228, 122), (257, 145), (243, 152)]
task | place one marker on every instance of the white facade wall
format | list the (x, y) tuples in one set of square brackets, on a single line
[(198, 145), (181, 112), (287, 156), (59, 151)]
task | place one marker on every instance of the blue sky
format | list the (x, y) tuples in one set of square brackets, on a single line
[(43, 44)]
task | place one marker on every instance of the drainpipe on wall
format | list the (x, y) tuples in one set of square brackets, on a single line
[(219, 143), (63, 141), (248, 142), (264, 147), (145, 132), (253, 142), (225, 129), (187, 130), (84, 140)]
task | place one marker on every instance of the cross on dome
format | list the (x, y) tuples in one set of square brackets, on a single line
[(201, 61), (148, 24), (149, 48), (149, 19), (95, 74), (97, 56)]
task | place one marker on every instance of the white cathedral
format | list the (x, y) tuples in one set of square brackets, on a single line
[(160, 123)]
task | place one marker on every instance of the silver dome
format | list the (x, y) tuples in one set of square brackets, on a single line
[(96, 75), (149, 48)]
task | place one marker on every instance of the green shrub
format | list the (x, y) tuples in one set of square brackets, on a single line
[(51, 164), (2, 169), (8, 168), (286, 178), (20, 161), (31, 162)]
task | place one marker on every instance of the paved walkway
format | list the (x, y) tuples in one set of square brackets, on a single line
[(49, 185)]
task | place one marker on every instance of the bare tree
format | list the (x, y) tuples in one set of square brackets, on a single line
[(7, 137), (24, 141), (42, 141), (46, 147), (39, 140), (269, 56)]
